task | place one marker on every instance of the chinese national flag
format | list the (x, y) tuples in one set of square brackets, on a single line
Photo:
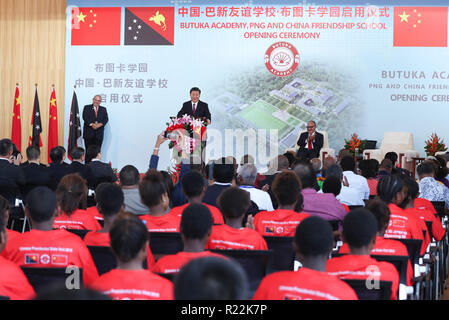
[(96, 26), (53, 124), (16, 135), (420, 26)]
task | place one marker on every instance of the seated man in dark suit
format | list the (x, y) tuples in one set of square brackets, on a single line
[(223, 173), (78, 166), (11, 175), (195, 107), (310, 142), (101, 171), (58, 168), (35, 174)]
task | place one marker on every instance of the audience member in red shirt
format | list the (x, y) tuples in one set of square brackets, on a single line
[(4, 205), (71, 194), (211, 278), (424, 204), (154, 195), (387, 247), (359, 232), (129, 281), (196, 226), (313, 244), (234, 203), (43, 247), (13, 282), (284, 220), (194, 187), (402, 225), (424, 214)]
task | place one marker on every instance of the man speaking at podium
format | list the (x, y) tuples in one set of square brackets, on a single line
[(195, 107)]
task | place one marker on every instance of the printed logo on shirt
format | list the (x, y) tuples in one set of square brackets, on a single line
[(399, 223), (292, 297), (31, 258), (269, 229), (45, 259), (59, 259), (279, 230)]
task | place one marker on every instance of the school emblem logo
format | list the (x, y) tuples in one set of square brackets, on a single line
[(281, 59)]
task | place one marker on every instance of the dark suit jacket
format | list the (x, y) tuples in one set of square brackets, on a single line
[(202, 110), (57, 171), (102, 172), (11, 178), (85, 172), (89, 117), (35, 175), (317, 144), (212, 193)]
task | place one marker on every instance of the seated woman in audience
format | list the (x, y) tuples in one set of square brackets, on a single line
[(359, 232), (44, 247), (384, 246), (129, 281), (154, 195), (93, 211), (110, 202), (196, 226), (4, 206), (71, 194), (194, 187), (234, 203), (369, 168), (13, 282), (284, 220), (403, 225), (313, 244)]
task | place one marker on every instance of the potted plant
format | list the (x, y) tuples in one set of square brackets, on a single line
[(433, 145)]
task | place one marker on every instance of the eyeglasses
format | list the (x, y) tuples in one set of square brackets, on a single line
[(310, 127)]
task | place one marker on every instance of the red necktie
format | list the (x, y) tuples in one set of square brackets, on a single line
[(194, 108), (310, 145)]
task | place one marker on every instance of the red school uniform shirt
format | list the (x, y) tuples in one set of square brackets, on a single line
[(11, 235), (405, 226), (93, 211), (174, 262), (102, 239), (217, 217), (134, 285), (438, 231), (79, 219), (304, 284), (166, 223), (279, 223), (422, 204), (387, 247), (224, 237), (364, 267), (53, 249), (13, 282)]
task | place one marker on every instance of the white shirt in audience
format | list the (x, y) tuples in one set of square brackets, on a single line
[(350, 197), (260, 197), (358, 182)]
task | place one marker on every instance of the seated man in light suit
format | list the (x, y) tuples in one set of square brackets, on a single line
[(310, 142)]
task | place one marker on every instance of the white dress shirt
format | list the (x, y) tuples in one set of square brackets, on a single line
[(350, 197), (260, 197), (358, 182)]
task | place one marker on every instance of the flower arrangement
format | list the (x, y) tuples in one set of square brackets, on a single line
[(355, 145), (175, 172), (191, 130), (433, 145)]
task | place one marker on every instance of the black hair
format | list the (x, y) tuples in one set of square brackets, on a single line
[(443, 170), (425, 167), (129, 176), (195, 89), (347, 163), (152, 188), (291, 158), (412, 191), (374, 165), (128, 237), (334, 170), (33, 152), (381, 212), (109, 198), (211, 278), (56, 154), (5, 147), (388, 187), (306, 175), (193, 184), (92, 152), (332, 184), (71, 193), (393, 156), (41, 204), (168, 182), (386, 164), (4, 206), (196, 221), (314, 237), (223, 172), (367, 169), (234, 202), (359, 228), (286, 187), (76, 153)]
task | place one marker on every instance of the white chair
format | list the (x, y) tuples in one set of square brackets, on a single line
[(399, 142), (325, 150)]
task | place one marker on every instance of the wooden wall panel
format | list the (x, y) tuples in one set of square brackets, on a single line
[(32, 50)]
